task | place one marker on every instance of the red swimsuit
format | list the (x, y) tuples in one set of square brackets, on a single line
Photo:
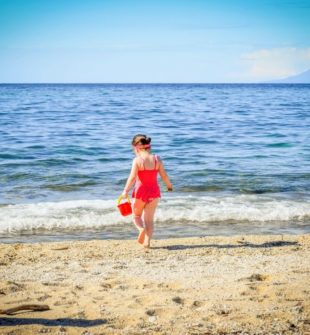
[(146, 186)]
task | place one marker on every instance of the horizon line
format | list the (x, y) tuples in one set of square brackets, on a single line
[(147, 83)]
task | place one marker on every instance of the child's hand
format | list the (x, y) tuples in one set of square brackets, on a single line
[(169, 189), (125, 194)]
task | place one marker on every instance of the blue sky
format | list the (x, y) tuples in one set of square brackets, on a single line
[(153, 41)]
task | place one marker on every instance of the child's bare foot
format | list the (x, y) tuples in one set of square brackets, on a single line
[(141, 236), (146, 248), (147, 242)]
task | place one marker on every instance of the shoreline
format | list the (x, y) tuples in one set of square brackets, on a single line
[(254, 284), (127, 232)]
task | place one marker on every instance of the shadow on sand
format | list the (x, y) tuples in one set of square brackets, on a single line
[(51, 322), (242, 244)]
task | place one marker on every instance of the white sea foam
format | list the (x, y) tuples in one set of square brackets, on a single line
[(234, 208), (92, 214)]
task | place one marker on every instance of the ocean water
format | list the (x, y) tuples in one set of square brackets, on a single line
[(237, 155)]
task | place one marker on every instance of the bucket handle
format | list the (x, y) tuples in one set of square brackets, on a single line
[(120, 199)]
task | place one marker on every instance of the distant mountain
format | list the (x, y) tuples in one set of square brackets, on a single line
[(301, 78)]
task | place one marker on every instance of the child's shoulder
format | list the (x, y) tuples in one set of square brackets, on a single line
[(158, 160), (157, 157), (137, 160)]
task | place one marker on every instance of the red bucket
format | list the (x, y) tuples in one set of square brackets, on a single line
[(124, 208)]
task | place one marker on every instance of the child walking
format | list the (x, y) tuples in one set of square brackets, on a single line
[(146, 193)]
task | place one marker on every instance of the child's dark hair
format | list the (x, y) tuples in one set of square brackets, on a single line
[(141, 139)]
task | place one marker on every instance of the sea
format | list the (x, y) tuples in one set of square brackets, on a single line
[(237, 155)]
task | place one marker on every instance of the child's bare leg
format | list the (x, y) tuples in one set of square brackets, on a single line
[(137, 219), (149, 211)]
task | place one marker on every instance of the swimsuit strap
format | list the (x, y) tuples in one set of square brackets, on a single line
[(143, 162)]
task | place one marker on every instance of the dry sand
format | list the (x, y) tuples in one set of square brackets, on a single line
[(209, 285)]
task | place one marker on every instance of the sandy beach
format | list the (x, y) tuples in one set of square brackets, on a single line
[(209, 285)]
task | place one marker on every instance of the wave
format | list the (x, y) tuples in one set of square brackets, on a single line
[(97, 214)]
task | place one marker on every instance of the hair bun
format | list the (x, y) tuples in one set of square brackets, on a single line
[(145, 140), (141, 139)]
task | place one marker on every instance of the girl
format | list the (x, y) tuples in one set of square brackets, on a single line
[(146, 193)]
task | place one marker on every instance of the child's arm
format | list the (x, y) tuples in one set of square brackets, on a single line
[(164, 176), (131, 178)]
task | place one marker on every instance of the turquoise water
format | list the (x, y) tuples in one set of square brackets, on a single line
[(238, 157)]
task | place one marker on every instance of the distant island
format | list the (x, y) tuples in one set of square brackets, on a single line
[(301, 78)]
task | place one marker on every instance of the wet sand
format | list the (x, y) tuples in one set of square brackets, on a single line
[(210, 285)]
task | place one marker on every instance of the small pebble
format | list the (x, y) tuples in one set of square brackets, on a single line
[(86, 332), (152, 318), (150, 312)]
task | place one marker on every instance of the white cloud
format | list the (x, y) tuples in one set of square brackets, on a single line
[(277, 63)]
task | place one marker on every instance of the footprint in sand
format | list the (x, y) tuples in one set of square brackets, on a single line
[(257, 277), (197, 304), (44, 297), (178, 300)]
